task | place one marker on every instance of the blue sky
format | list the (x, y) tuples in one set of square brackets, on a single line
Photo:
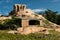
[(36, 5)]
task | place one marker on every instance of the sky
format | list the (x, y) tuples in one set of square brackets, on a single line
[(6, 6)]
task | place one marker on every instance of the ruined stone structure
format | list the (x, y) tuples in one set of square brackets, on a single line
[(27, 16), (29, 21), (19, 9)]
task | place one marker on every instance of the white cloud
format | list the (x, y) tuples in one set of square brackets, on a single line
[(38, 10)]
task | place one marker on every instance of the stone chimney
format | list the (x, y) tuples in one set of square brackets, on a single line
[(19, 9)]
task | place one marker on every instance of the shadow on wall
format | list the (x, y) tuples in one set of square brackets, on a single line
[(34, 22)]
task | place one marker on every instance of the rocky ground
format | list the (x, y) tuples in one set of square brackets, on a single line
[(33, 29), (47, 25)]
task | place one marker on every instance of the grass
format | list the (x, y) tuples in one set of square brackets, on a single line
[(36, 36), (46, 22)]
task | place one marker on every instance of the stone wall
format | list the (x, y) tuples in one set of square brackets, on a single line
[(24, 23), (3, 18)]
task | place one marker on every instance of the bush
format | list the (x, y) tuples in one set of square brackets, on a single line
[(13, 24), (46, 21)]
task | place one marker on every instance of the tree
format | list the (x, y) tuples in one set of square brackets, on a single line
[(50, 15), (58, 19), (13, 23), (12, 13)]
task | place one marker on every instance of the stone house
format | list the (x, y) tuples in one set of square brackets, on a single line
[(27, 16)]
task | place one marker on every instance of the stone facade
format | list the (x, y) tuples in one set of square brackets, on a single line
[(27, 16)]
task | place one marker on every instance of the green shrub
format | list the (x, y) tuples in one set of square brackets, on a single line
[(46, 21), (13, 23)]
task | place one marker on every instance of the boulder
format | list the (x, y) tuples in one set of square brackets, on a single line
[(12, 32), (29, 30)]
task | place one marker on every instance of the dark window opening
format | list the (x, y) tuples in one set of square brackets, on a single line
[(26, 11), (23, 15), (34, 22), (21, 7), (17, 8)]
